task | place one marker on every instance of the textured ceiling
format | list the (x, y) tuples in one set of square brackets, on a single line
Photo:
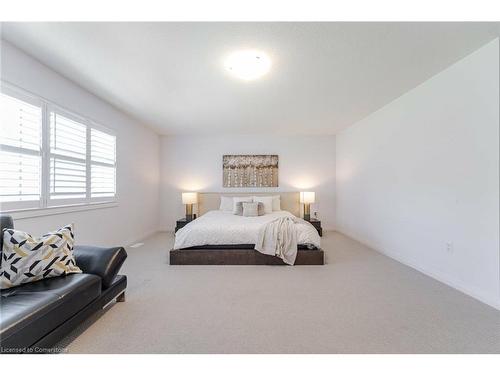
[(325, 76)]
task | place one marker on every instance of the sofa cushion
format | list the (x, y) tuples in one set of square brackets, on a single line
[(27, 259), (30, 311)]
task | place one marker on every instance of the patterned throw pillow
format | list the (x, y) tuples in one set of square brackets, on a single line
[(239, 209), (250, 209), (26, 259), (240, 199)]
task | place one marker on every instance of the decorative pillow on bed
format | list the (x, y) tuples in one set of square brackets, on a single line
[(240, 199), (268, 203), (250, 209), (226, 204), (26, 259), (239, 209)]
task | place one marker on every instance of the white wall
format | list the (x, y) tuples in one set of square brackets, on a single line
[(424, 171), (137, 158), (195, 164)]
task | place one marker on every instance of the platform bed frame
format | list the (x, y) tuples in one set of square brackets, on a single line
[(239, 255), (242, 254)]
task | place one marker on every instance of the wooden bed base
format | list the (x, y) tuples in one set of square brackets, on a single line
[(239, 256)]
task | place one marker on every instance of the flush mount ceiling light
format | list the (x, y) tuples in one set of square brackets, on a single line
[(247, 64)]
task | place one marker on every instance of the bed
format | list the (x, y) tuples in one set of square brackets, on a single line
[(222, 238)]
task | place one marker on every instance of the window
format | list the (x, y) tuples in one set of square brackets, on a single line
[(20, 152), (102, 161), (50, 157), (68, 154)]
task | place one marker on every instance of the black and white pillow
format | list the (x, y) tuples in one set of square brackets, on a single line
[(26, 259)]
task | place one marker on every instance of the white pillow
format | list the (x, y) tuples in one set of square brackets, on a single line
[(267, 202), (240, 199), (226, 204), (276, 203)]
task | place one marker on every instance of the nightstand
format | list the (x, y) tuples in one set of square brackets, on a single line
[(181, 223), (316, 224)]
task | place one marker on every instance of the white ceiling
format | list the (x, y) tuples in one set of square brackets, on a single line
[(325, 76)]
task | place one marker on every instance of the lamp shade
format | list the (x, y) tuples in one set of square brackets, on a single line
[(189, 198), (307, 197)]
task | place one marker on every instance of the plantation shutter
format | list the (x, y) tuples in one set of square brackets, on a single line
[(103, 164), (20, 152), (51, 157), (68, 152)]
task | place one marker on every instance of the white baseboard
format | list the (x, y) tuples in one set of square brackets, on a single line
[(444, 278)]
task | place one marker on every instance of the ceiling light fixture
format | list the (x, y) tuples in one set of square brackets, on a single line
[(248, 64)]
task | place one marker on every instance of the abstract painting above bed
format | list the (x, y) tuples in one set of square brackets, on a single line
[(250, 171)]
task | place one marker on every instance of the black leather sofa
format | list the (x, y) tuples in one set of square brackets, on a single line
[(36, 316)]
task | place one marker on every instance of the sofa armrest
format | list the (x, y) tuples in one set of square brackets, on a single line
[(104, 262)]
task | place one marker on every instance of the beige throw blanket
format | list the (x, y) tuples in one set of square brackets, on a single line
[(279, 238)]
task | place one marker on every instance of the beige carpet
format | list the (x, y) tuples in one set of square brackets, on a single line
[(361, 302)]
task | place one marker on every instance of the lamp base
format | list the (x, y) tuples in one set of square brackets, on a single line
[(189, 212), (307, 211)]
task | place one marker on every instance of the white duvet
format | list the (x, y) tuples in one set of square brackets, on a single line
[(225, 228)]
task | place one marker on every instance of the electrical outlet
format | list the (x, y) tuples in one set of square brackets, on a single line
[(449, 247)]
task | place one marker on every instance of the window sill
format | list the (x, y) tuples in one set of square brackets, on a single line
[(58, 210)]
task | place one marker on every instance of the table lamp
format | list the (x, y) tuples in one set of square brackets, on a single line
[(307, 197), (189, 199)]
